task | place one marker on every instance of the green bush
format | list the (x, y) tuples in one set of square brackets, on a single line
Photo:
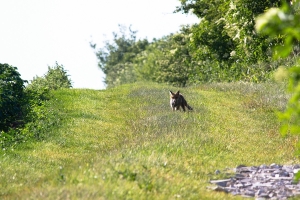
[(55, 78), (42, 113), (11, 97), (39, 87), (27, 113)]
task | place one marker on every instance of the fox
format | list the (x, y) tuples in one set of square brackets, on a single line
[(177, 100)]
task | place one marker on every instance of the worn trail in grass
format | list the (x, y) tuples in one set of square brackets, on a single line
[(126, 143)]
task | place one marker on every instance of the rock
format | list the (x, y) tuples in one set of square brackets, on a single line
[(222, 183), (263, 182)]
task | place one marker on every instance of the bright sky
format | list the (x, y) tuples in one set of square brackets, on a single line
[(34, 34)]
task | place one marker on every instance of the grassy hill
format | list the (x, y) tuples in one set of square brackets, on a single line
[(126, 143)]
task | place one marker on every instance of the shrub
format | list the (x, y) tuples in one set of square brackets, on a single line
[(27, 113), (42, 113), (55, 78)]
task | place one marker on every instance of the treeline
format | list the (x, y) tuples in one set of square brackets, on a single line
[(223, 46)]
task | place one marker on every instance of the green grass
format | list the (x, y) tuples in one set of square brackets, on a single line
[(126, 143)]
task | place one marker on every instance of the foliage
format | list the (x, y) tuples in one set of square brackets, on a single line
[(284, 21), (116, 59), (223, 46), (167, 60), (146, 62), (54, 79), (228, 27), (43, 117), (30, 112), (42, 113), (11, 97), (175, 65)]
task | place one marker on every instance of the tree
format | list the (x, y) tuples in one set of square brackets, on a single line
[(175, 65), (116, 58), (167, 60), (224, 46), (146, 63), (11, 97), (210, 33), (226, 41)]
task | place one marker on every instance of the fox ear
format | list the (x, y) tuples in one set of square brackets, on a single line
[(171, 93), (177, 93)]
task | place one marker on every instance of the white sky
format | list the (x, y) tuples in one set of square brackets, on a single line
[(34, 34)]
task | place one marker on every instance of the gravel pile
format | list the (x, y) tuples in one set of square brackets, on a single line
[(262, 182)]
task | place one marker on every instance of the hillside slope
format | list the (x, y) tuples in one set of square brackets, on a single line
[(126, 143)]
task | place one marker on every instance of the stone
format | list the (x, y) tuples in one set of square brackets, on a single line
[(263, 182)]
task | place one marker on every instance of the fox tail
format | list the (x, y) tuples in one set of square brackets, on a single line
[(189, 107)]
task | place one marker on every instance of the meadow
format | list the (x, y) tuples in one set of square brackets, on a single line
[(127, 143)]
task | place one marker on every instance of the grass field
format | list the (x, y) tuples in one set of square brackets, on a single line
[(126, 143)]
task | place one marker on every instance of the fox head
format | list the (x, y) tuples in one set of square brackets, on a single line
[(174, 98)]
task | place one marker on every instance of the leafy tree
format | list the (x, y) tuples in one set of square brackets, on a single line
[(225, 41), (167, 60), (240, 21), (210, 33), (11, 97), (147, 62), (175, 66), (116, 59), (224, 46)]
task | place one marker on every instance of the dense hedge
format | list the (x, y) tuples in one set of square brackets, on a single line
[(28, 112)]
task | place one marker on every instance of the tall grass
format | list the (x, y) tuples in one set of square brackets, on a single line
[(126, 143)]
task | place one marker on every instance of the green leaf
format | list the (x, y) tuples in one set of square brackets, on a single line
[(283, 51)]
